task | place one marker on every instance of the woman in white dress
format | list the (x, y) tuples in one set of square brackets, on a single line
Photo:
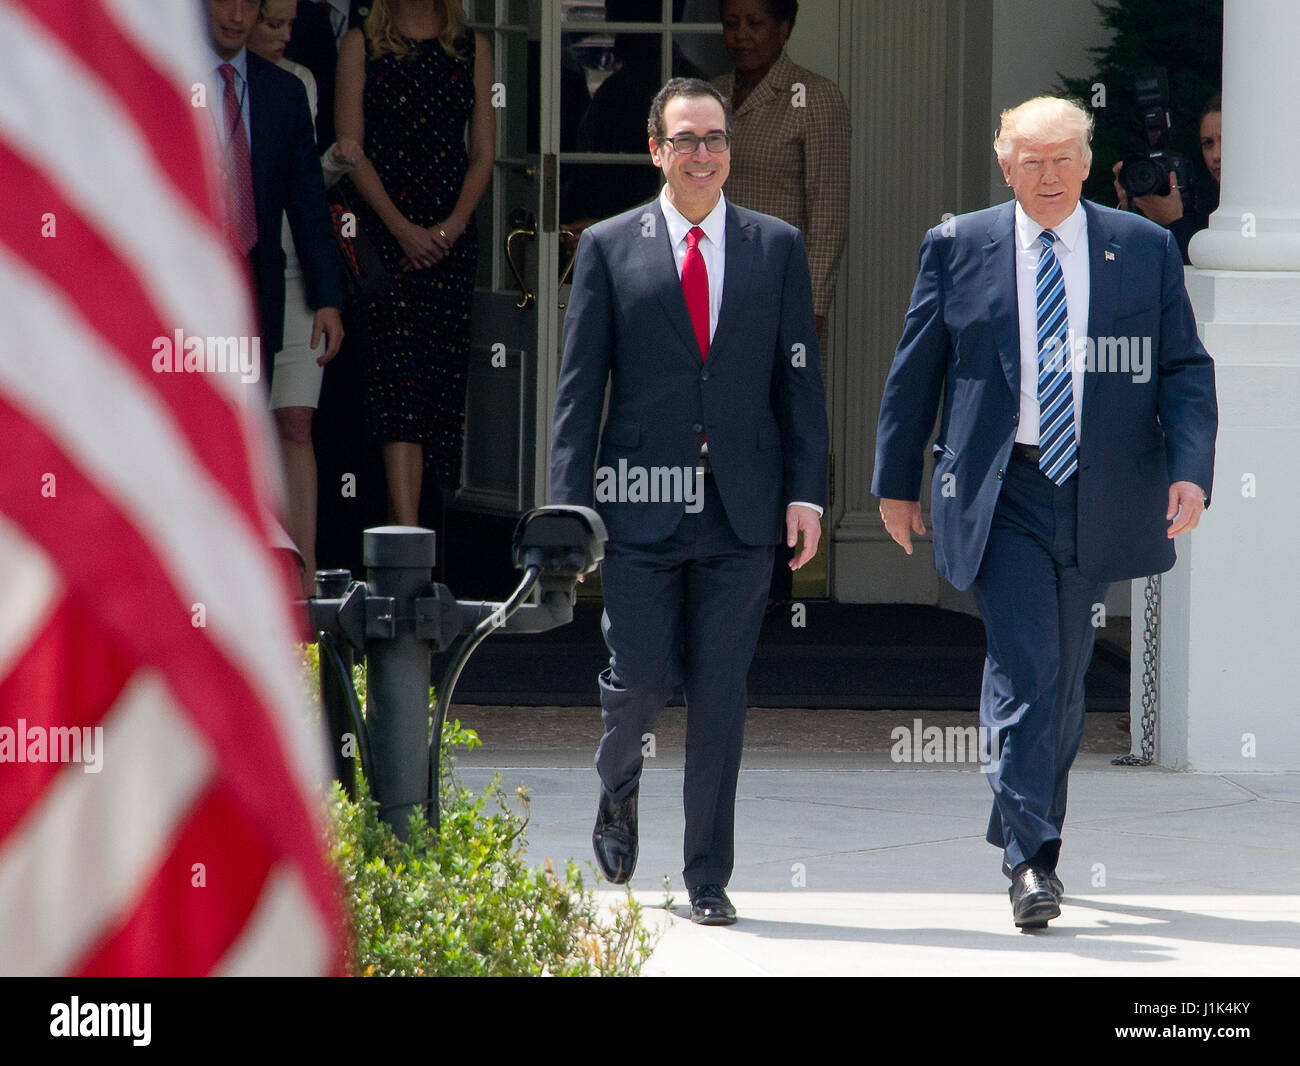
[(295, 385)]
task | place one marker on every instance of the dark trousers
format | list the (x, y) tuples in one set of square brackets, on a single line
[(1038, 617), (684, 611)]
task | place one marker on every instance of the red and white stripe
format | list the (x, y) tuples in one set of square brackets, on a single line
[(160, 504)]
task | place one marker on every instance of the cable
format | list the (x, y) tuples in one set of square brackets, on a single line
[(472, 640), (326, 641)]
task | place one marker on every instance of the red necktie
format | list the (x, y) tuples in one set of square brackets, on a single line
[(241, 210), (695, 287)]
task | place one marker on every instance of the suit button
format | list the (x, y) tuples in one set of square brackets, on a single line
[(1015, 420), (697, 428), (704, 375), (1000, 473)]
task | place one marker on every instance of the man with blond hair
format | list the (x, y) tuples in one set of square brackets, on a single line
[(1076, 442)]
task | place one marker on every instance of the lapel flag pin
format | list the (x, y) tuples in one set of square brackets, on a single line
[(1110, 256)]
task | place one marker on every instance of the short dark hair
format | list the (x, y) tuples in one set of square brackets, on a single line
[(681, 87), (780, 10), (1213, 104)]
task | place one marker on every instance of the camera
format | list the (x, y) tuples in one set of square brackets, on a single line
[(1143, 175)]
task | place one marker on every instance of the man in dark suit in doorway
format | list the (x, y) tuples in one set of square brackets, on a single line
[(699, 317), (1076, 442), (314, 42), (271, 169)]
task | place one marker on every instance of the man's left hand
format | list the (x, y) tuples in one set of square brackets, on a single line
[(329, 322), (805, 520), (1186, 502)]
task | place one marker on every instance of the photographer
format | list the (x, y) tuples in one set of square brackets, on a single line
[(1168, 209)]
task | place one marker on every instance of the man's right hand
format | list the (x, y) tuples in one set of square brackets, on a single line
[(902, 518)]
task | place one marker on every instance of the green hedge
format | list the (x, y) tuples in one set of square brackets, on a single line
[(465, 902)]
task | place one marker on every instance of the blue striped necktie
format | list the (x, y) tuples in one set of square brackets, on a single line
[(1057, 447)]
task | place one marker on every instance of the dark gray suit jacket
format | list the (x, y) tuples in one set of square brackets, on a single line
[(758, 397)]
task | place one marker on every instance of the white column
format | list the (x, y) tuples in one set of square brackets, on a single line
[(1257, 225), (1230, 627), (900, 89)]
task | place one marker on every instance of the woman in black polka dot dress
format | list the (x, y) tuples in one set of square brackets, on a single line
[(407, 89)]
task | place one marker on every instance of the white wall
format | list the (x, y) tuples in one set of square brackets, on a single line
[(815, 41)]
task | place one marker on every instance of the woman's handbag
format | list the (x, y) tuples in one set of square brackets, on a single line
[(368, 275)]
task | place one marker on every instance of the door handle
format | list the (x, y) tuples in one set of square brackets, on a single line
[(524, 226), (573, 258)]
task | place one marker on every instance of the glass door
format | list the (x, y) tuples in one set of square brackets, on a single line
[(509, 399)]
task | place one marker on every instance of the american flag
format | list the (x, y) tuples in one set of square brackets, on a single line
[(137, 596)]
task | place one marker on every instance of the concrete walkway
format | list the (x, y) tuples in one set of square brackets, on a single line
[(850, 864)]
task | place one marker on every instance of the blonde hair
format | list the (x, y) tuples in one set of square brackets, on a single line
[(381, 28), (1044, 118), (267, 9)]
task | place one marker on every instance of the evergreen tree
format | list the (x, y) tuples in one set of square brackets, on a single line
[(1186, 38)]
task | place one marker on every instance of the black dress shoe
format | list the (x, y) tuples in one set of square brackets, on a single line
[(1033, 902), (1052, 880), (710, 906), (614, 838)]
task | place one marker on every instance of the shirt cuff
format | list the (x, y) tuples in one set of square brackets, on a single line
[(802, 503)]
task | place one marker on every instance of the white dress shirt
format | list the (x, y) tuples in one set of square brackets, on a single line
[(714, 250), (1071, 250), (217, 96), (338, 17)]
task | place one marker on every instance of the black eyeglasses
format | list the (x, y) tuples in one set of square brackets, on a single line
[(688, 143)]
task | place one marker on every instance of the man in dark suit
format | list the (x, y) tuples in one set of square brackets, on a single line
[(698, 315), (314, 42), (1076, 442), (264, 128)]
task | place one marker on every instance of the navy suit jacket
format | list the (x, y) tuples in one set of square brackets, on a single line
[(961, 338), (313, 44), (758, 397), (287, 180)]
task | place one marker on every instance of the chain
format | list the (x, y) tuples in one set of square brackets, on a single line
[(1150, 675)]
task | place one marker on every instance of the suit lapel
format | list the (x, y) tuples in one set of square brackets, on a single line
[(739, 261), (658, 261), (1000, 279), (1104, 266)]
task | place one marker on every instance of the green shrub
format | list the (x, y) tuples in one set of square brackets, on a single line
[(465, 902)]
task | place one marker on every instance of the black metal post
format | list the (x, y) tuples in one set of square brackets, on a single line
[(397, 616), (399, 567)]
